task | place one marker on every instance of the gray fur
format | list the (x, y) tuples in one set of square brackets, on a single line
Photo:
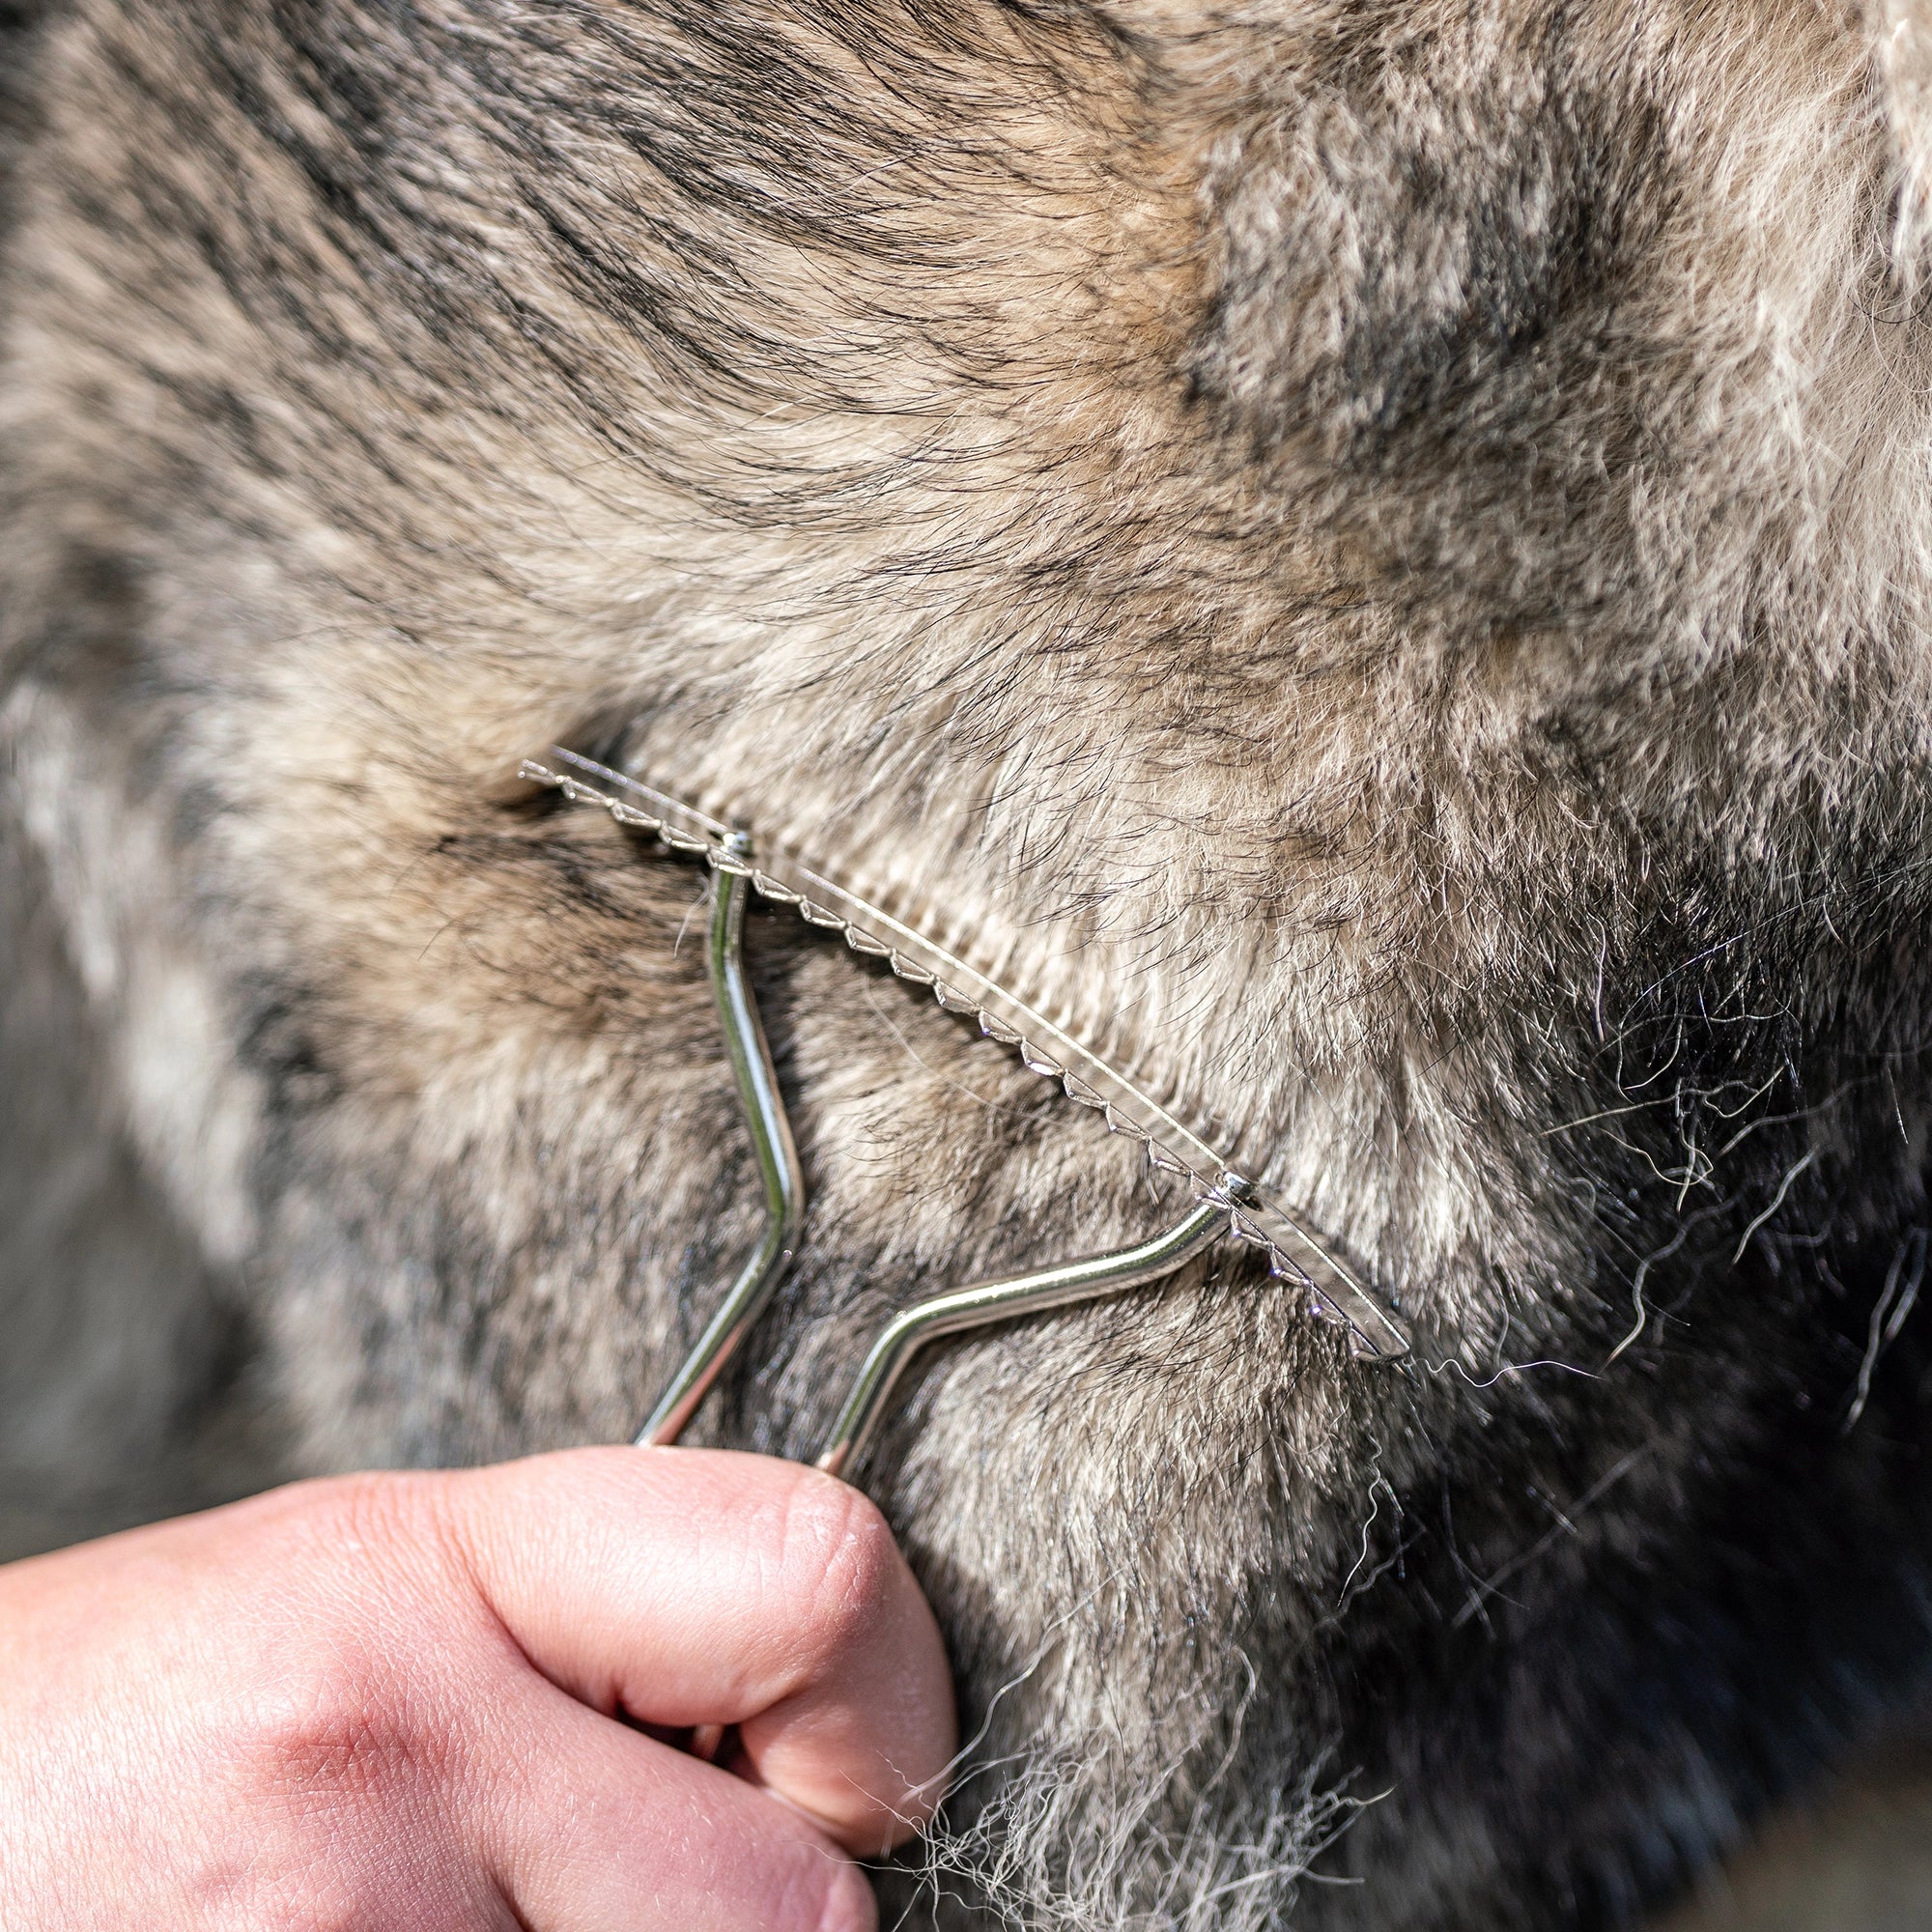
[(1372, 556)]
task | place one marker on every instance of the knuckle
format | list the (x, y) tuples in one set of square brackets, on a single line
[(841, 1564), (392, 1542), (338, 1736), (343, 1709), (377, 1511), (348, 1528)]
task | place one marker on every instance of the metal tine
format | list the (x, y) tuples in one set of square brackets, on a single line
[(771, 1141), (1000, 1300)]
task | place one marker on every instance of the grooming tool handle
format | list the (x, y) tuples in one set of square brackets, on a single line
[(1000, 1300), (771, 1141)]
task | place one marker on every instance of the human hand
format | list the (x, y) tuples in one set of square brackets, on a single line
[(398, 1703)]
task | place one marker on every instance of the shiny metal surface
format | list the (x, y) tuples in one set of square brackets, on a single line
[(1002, 1300), (771, 1141)]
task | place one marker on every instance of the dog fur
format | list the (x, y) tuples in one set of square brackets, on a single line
[(1376, 558)]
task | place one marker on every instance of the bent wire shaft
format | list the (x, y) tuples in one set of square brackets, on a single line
[(999, 1301), (771, 1141), (913, 1328)]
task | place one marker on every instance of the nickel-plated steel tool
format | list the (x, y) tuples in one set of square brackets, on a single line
[(1224, 1202)]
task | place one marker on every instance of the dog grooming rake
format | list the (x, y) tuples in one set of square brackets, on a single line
[(1224, 1202)]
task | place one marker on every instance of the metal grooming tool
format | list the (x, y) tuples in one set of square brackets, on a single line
[(1224, 1199)]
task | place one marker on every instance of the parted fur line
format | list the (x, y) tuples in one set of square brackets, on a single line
[(1379, 555)]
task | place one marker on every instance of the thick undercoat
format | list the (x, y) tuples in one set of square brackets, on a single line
[(1372, 556)]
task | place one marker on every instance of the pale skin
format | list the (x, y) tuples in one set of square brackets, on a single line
[(437, 1703)]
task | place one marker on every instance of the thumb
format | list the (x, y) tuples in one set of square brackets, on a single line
[(681, 1588)]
